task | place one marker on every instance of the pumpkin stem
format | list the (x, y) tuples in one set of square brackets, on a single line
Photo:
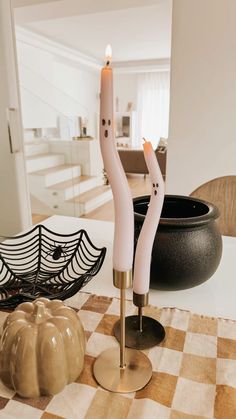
[(39, 313)]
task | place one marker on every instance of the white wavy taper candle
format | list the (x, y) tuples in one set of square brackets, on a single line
[(123, 204), (144, 246)]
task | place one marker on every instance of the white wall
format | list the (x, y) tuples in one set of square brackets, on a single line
[(202, 140), (52, 86), (125, 89)]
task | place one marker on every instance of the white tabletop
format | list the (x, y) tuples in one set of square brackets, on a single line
[(215, 297)]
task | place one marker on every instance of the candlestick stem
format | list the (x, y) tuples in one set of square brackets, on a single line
[(122, 328), (140, 315)]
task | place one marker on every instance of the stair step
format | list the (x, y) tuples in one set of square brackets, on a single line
[(43, 161), (57, 174), (29, 135), (91, 194), (60, 187), (36, 147), (71, 182), (75, 186), (92, 199)]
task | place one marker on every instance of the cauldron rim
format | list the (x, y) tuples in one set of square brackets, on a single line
[(212, 212)]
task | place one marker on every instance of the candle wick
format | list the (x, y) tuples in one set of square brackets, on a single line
[(144, 139), (107, 63)]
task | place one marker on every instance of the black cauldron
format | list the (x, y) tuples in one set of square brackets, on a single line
[(188, 246)]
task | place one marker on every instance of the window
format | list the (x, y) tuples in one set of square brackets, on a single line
[(153, 106)]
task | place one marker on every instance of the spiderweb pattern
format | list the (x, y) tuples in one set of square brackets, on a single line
[(44, 263)]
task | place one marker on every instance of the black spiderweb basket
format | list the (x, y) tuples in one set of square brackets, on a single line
[(42, 263)]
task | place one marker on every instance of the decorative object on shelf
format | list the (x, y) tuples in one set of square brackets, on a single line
[(83, 138), (83, 123), (42, 348), (125, 128), (44, 263), (188, 245), (118, 369), (105, 178), (129, 106), (144, 332)]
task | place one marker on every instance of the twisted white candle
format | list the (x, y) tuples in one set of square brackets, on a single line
[(123, 204), (145, 241)]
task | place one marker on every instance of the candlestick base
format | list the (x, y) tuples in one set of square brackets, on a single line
[(152, 332), (120, 369), (136, 373)]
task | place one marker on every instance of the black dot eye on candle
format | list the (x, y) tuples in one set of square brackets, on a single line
[(155, 185), (103, 122), (109, 122)]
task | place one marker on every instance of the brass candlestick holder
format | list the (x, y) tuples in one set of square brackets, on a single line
[(122, 370), (142, 332)]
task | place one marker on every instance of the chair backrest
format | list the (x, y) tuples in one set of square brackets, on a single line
[(222, 193)]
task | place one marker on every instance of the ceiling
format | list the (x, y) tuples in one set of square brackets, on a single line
[(138, 30)]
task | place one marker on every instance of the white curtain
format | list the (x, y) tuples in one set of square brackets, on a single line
[(153, 107)]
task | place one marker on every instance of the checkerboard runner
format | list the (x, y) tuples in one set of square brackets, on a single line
[(194, 370)]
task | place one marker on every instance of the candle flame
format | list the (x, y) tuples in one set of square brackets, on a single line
[(108, 54)]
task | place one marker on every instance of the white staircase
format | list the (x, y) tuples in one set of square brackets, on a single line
[(59, 188)]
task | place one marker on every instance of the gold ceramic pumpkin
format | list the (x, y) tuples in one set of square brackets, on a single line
[(42, 348)]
